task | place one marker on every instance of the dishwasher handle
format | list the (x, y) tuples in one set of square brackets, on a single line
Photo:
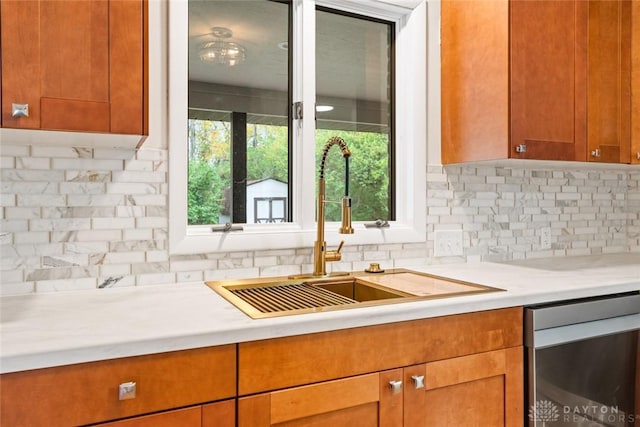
[(581, 331)]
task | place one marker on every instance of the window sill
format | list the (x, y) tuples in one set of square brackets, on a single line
[(288, 236)]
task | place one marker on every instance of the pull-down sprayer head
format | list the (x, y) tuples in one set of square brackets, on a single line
[(346, 227)]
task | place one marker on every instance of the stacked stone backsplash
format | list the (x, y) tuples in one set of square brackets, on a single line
[(502, 210), (82, 218)]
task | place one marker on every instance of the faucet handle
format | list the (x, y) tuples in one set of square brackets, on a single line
[(334, 255)]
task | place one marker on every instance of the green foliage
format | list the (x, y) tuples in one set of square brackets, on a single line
[(204, 194), (267, 157), (368, 174), (267, 152)]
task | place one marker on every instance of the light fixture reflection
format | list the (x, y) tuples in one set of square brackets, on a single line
[(220, 51), (323, 108)]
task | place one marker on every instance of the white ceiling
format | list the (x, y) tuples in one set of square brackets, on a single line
[(353, 63)]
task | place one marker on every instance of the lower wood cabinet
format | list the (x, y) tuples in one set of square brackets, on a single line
[(459, 370), (190, 417), (462, 370), (89, 393), (219, 414), (483, 389), (477, 390), (364, 400)]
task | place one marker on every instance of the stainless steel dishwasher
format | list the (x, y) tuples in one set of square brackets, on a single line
[(583, 367)]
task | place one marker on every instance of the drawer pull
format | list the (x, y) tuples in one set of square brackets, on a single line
[(19, 110), (418, 381), (522, 148), (395, 386), (127, 391)]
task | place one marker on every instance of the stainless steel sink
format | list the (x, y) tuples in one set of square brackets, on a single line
[(273, 297)]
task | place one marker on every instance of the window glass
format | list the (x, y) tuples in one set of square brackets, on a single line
[(238, 138), (241, 153), (354, 98)]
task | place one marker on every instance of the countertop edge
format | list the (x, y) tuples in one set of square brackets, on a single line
[(241, 329)]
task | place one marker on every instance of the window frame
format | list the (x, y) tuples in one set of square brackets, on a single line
[(410, 118)]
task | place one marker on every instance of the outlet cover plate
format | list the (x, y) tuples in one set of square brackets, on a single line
[(447, 243)]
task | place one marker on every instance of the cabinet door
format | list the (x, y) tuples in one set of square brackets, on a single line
[(475, 80), (79, 65), (635, 82), (363, 401), (219, 414), (484, 389), (189, 417), (548, 79), (609, 75)]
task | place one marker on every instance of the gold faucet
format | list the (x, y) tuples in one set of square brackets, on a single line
[(320, 253)]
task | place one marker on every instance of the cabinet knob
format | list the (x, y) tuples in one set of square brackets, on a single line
[(595, 153), (418, 381), (395, 386), (522, 148), (127, 390), (19, 110)]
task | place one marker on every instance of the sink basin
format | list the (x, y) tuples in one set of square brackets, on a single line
[(273, 297)]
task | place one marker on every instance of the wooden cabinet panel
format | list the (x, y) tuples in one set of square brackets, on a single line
[(88, 393), (79, 65), (546, 80), (219, 414), (312, 358), (609, 81), (129, 65), (189, 417), (475, 403), (484, 389), (635, 83), (365, 400), (20, 81), (475, 47), (548, 76)]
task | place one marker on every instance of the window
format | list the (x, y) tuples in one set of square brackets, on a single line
[(238, 156)]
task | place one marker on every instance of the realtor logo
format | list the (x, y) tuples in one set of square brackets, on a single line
[(543, 411)]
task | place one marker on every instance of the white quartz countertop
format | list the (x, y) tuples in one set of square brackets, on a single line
[(45, 330)]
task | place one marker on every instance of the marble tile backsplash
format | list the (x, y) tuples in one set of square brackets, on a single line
[(81, 218)]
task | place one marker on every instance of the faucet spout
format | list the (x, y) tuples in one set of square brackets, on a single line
[(320, 253)]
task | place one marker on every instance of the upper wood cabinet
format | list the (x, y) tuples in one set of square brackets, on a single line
[(79, 65), (635, 82), (609, 81), (547, 80)]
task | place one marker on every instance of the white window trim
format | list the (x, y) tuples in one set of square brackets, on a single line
[(410, 134)]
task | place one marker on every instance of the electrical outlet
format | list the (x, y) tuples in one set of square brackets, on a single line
[(447, 243), (545, 238)]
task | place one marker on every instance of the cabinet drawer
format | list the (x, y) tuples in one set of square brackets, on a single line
[(290, 361), (89, 392), (190, 417)]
